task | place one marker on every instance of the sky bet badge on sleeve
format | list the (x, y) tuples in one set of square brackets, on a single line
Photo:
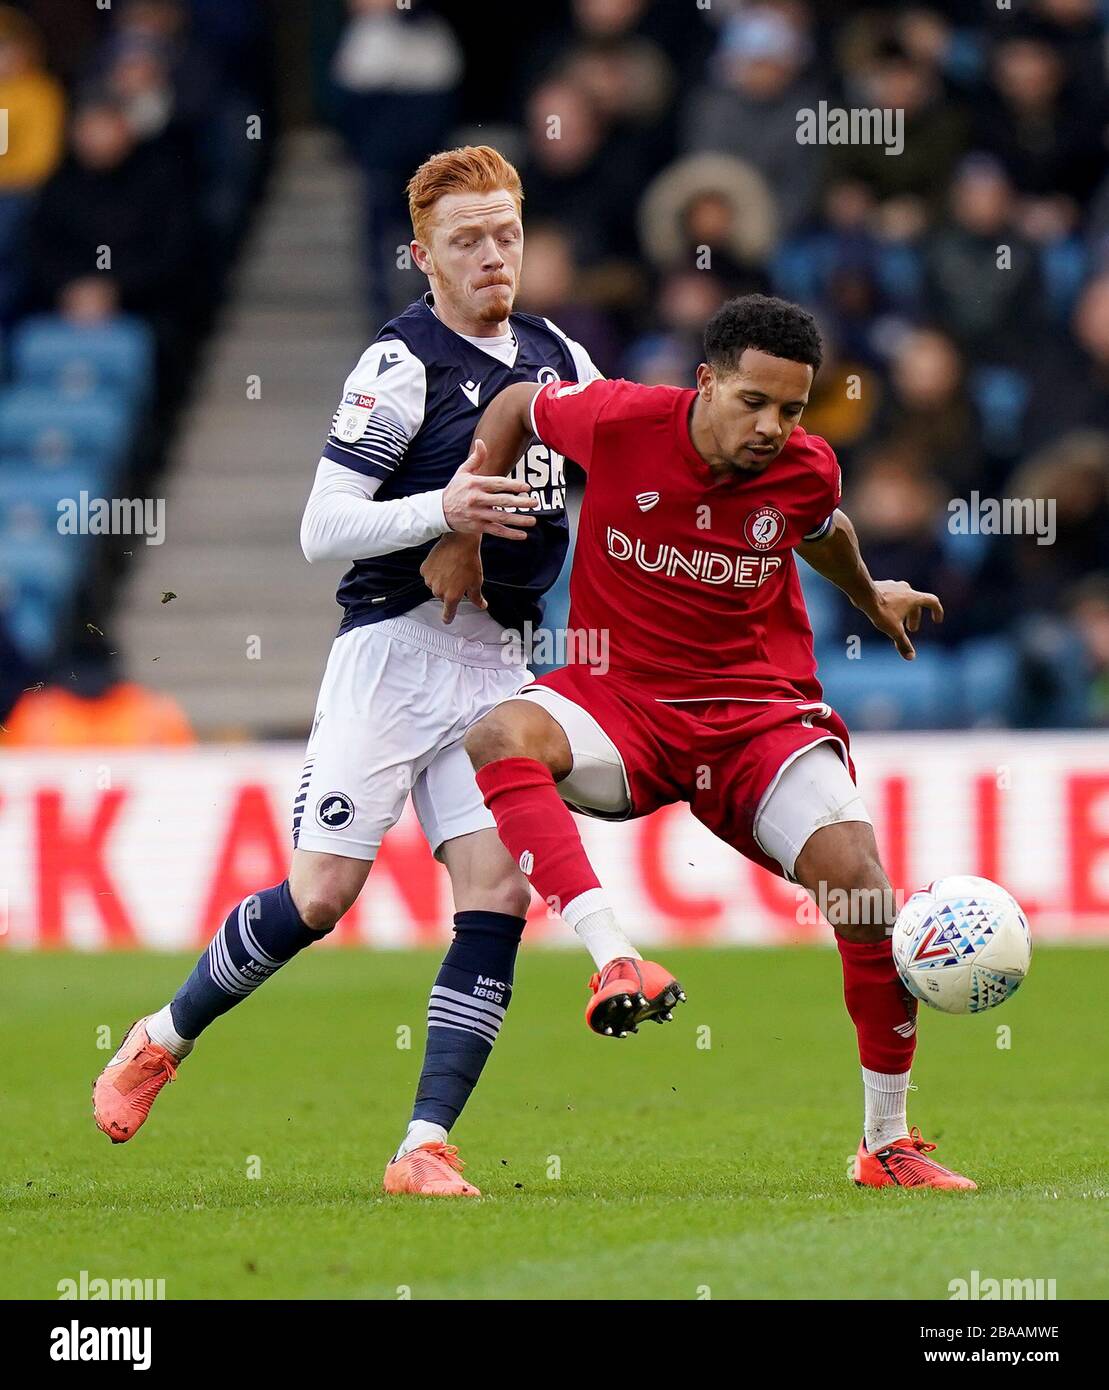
[(353, 414)]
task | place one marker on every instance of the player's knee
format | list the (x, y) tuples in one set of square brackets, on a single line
[(496, 735), (321, 898), (510, 895)]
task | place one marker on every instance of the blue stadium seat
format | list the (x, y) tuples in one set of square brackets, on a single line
[(822, 602), (34, 421), (990, 678), (29, 498), (879, 690), (77, 362), (1001, 395), (36, 581)]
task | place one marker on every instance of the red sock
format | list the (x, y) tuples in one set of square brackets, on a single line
[(881, 1008), (537, 829)]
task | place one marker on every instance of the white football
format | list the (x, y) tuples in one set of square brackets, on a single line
[(962, 944)]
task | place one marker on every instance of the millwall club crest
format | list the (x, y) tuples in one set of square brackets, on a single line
[(764, 527), (335, 811)]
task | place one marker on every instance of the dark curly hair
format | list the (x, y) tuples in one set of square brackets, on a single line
[(769, 325)]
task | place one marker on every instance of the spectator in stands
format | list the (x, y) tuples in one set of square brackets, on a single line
[(575, 174), (1088, 605), (196, 102), (711, 212), (982, 279), (396, 73), (750, 107), (898, 506), (552, 286), (1046, 135), (928, 410), (1072, 381), (87, 706), (935, 129), (112, 231), (843, 398), (33, 106)]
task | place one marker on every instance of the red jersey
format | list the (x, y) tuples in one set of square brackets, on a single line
[(690, 578)]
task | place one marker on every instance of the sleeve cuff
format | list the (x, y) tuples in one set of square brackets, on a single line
[(428, 506)]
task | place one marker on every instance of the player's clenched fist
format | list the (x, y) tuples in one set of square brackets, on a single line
[(474, 503)]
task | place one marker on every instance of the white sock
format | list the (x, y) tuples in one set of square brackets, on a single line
[(884, 1120), (595, 922), (160, 1029), (420, 1132)]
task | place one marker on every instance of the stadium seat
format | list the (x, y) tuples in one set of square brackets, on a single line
[(47, 351), (822, 602), (880, 690), (1001, 395), (36, 581), (990, 675), (29, 497), (34, 421)]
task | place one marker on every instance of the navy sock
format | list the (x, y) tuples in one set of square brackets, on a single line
[(259, 936), (464, 1014)]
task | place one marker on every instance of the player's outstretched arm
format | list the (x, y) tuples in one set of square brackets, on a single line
[(892, 605), (452, 571)]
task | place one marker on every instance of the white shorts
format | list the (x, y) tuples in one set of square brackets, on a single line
[(811, 790), (396, 698)]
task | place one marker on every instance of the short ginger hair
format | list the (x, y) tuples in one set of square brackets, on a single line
[(471, 169)]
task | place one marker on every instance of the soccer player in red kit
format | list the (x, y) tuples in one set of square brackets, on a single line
[(695, 502)]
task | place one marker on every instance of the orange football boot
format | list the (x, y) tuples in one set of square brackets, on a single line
[(627, 992), (128, 1086), (432, 1170), (902, 1164)]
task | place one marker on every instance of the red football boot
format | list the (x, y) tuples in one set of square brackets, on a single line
[(130, 1084), (903, 1164), (432, 1170), (628, 991)]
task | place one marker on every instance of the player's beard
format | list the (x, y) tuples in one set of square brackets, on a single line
[(495, 308)]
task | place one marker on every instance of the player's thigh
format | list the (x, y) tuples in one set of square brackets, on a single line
[(814, 822), (591, 774), (376, 724)]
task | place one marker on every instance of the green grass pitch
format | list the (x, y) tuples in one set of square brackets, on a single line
[(678, 1164)]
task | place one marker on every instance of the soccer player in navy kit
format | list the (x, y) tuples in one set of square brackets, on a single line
[(401, 688)]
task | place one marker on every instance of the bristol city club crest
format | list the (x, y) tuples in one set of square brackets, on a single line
[(764, 527)]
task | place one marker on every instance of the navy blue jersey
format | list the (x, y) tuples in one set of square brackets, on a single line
[(407, 418)]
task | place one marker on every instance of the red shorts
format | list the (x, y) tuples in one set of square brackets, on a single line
[(721, 756)]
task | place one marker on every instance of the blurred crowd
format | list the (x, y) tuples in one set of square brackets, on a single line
[(961, 285), (127, 174)]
